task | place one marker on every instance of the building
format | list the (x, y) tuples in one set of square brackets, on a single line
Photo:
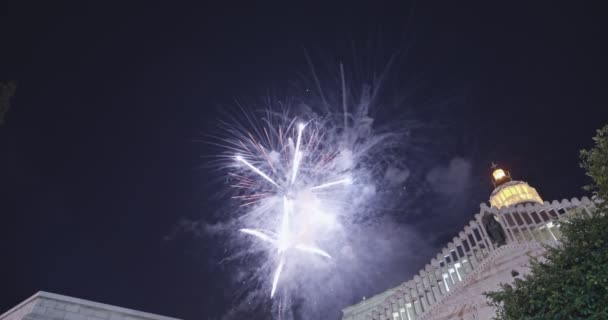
[(493, 248), (50, 306)]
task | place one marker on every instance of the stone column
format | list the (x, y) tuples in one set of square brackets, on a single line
[(394, 307), (464, 270), (401, 304), (408, 297), (517, 211), (424, 288), (467, 266), (505, 225), (532, 225), (430, 284), (535, 226), (554, 205), (387, 311), (447, 282), (484, 233), (424, 302), (515, 226), (479, 242), (457, 276), (448, 253), (414, 295), (549, 236), (439, 285), (406, 301), (535, 216), (470, 237)]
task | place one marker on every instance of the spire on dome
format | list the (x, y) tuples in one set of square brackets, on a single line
[(499, 176), (508, 192)]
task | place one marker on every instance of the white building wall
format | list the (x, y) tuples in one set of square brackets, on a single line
[(50, 306), (471, 264), (467, 301)]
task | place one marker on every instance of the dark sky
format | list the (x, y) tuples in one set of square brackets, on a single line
[(100, 156)]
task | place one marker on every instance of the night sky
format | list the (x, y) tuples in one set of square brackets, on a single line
[(103, 182)]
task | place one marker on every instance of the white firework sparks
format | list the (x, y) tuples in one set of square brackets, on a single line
[(307, 175)]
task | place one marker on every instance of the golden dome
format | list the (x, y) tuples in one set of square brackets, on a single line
[(508, 192), (512, 193)]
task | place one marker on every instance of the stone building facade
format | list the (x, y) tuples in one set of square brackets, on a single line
[(50, 306), (493, 248)]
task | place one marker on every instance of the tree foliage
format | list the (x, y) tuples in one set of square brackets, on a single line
[(572, 281), (595, 163)]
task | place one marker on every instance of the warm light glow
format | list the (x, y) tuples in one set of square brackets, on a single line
[(512, 195), (498, 174)]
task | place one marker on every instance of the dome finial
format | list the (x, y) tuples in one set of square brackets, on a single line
[(508, 192), (499, 176)]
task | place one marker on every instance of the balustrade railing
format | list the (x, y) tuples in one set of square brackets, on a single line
[(464, 254)]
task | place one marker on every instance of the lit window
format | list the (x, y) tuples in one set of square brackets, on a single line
[(498, 174), (456, 266), (498, 202), (445, 281), (450, 272)]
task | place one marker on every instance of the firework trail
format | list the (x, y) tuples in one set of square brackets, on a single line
[(315, 169), (303, 173)]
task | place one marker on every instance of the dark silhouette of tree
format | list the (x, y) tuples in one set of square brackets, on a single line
[(7, 91), (572, 281)]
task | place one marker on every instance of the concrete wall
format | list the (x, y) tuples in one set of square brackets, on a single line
[(479, 261), (467, 301), (50, 306)]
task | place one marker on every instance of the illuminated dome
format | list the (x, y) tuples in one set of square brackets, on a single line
[(508, 192)]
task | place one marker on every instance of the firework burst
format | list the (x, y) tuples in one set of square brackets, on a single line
[(297, 181), (304, 174)]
